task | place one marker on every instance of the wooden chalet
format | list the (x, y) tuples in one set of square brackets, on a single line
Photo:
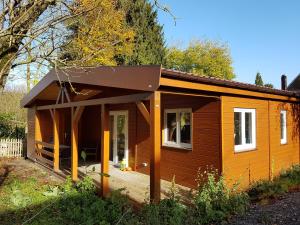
[(163, 123)]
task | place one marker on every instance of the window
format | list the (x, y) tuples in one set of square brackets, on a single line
[(178, 128), (244, 129), (283, 138)]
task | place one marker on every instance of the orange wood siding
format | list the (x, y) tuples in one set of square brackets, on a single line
[(46, 124), (183, 163), (283, 156), (250, 166), (245, 167)]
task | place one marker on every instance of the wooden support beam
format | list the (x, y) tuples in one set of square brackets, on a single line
[(52, 113), (104, 150), (44, 144), (74, 146), (78, 112), (67, 94), (37, 133), (100, 101), (58, 97), (155, 138), (141, 106), (56, 140), (75, 117)]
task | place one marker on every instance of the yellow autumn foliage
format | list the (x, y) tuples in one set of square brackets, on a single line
[(102, 33)]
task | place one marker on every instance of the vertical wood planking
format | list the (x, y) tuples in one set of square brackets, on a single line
[(104, 150), (155, 139)]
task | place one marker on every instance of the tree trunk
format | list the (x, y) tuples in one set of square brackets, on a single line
[(11, 38)]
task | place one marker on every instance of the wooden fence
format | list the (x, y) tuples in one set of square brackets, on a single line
[(11, 148)]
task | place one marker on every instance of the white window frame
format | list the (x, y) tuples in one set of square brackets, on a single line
[(177, 144), (284, 139), (246, 147)]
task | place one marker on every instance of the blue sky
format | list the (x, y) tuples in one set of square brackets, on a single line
[(263, 35)]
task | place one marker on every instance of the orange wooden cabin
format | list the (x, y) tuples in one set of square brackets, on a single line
[(163, 123)]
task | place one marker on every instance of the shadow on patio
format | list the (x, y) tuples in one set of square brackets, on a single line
[(136, 185)]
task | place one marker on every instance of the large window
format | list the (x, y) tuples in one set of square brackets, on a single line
[(244, 129), (178, 128), (283, 137)]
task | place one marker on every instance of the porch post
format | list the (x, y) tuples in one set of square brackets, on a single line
[(155, 136), (104, 149), (74, 146), (56, 140), (75, 116), (37, 134)]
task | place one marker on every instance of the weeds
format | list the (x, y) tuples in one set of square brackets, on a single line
[(281, 184), (77, 203)]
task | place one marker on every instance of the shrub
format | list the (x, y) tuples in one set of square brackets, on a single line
[(214, 201), (86, 185), (281, 184), (168, 211)]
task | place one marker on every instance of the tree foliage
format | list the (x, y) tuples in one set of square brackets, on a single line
[(12, 117), (149, 44), (98, 36), (209, 58), (269, 85), (259, 80)]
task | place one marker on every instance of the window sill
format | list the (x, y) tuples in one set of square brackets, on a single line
[(245, 150), (178, 147)]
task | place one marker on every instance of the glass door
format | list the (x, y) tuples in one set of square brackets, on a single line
[(119, 137)]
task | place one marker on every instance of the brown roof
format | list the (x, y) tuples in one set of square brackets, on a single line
[(222, 82), (140, 78)]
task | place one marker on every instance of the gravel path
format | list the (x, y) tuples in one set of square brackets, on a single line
[(284, 211)]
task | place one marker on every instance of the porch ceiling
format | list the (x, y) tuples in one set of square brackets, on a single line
[(92, 81)]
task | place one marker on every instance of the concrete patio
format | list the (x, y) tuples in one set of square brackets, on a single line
[(136, 185)]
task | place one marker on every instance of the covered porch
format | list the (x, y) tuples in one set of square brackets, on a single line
[(74, 114)]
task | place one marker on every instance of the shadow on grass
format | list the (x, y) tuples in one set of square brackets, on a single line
[(76, 208), (4, 172)]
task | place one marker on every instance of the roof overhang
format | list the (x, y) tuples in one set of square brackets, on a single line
[(142, 78)]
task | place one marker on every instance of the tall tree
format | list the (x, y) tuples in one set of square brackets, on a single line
[(96, 38), (259, 80), (16, 19), (149, 44), (209, 58)]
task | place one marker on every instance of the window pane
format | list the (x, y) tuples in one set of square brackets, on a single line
[(282, 125), (171, 127), (237, 128), (248, 127), (185, 127)]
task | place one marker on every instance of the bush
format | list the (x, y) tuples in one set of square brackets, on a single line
[(168, 211), (281, 184), (214, 201)]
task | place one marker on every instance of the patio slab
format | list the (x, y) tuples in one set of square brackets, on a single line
[(136, 185)]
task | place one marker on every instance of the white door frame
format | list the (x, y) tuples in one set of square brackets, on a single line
[(115, 150)]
